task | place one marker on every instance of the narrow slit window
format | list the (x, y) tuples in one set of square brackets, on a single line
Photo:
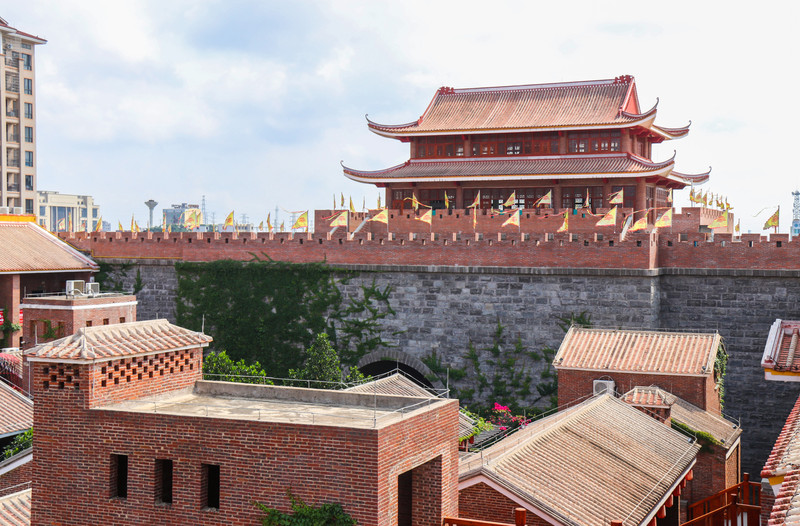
[(163, 481), (210, 489), (119, 476)]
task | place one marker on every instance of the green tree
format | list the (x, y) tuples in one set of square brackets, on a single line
[(21, 442), (219, 366), (304, 515), (323, 366)]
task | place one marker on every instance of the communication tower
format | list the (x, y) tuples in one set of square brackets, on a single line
[(796, 214)]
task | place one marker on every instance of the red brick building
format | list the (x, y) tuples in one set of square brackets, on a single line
[(53, 316), (590, 361), (719, 461), (570, 145), (598, 461), (781, 358), (33, 260), (126, 431)]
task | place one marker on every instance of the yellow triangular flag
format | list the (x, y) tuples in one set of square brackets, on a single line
[(617, 198), (665, 220), (352, 208), (99, 225), (610, 219), (446, 200), (261, 226), (228, 220), (773, 220), (302, 221), (510, 201), (545, 200), (269, 224), (342, 199), (282, 230), (640, 224), (738, 226), (721, 221), (381, 217), (477, 202), (119, 226), (427, 217), (565, 224), (341, 219), (513, 220)]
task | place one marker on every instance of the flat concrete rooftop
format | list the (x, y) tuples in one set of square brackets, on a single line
[(295, 405)]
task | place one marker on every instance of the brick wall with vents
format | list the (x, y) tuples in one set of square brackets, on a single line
[(482, 502), (258, 460), (574, 386)]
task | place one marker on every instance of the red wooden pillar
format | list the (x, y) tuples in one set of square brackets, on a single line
[(519, 516), (556, 196), (459, 197)]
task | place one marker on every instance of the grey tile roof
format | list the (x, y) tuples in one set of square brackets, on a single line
[(599, 461)]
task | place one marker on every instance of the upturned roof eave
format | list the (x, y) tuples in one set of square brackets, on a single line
[(408, 130), (663, 169)]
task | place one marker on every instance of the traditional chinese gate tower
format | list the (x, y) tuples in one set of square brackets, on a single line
[(582, 141)]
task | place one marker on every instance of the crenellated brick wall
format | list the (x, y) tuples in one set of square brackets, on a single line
[(503, 249)]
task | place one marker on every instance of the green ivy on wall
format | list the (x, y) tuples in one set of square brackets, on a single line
[(270, 311), (259, 311)]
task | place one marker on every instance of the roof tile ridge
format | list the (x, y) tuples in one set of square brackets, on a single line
[(530, 87)]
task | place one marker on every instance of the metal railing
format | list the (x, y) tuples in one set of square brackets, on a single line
[(206, 409), (12, 137), (731, 514), (13, 187), (744, 493)]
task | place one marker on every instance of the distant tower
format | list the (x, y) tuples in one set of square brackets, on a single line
[(203, 209), (796, 214), (151, 205)]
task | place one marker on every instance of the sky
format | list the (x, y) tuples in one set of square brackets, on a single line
[(254, 104)]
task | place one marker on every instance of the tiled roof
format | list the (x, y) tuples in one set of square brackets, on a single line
[(400, 385), (396, 384), (601, 460), (725, 431), (540, 106), (123, 339), (16, 411), (15, 509), (687, 353), (786, 509), (478, 169), (785, 455), (27, 247), (782, 350)]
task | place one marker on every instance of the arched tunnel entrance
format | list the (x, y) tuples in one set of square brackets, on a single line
[(384, 366)]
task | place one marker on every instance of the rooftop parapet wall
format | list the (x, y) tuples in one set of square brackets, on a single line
[(512, 249)]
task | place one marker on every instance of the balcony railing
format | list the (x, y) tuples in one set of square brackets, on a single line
[(13, 62), (13, 187), (745, 492), (13, 162), (12, 113), (12, 137)]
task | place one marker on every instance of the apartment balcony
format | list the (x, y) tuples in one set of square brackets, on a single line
[(12, 137), (13, 163), (13, 187), (12, 62), (12, 113)]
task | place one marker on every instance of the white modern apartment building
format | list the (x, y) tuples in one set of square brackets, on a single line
[(17, 119)]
